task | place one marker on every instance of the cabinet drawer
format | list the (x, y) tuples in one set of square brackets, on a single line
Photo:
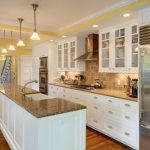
[(129, 119), (129, 136), (111, 128), (128, 106), (112, 102), (111, 114), (95, 120)]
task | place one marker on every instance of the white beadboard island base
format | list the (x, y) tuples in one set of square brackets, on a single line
[(24, 131)]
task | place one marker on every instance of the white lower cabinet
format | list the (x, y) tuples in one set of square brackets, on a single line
[(112, 116)]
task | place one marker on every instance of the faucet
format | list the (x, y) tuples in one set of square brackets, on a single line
[(24, 87)]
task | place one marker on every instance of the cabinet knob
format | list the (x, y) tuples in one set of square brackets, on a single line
[(95, 107), (110, 112), (127, 134), (127, 117), (64, 95), (95, 121), (57, 89), (51, 87), (127, 105), (95, 97), (109, 126), (110, 101)]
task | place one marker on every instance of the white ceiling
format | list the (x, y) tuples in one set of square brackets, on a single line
[(53, 15)]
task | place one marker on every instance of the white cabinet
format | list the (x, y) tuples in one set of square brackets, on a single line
[(119, 49), (114, 117), (67, 50)]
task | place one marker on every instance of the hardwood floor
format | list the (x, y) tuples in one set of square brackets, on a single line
[(3, 143), (98, 141), (95, 141)]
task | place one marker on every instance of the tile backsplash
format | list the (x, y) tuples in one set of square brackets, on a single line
[(108, 80)]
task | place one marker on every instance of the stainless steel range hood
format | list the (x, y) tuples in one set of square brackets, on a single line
[(91, 48)]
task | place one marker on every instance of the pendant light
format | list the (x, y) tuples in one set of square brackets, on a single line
[(11, 46), (35, 35), (4, 50), (20, 42)]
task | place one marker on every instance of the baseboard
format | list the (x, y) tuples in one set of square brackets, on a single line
[(7, 138)]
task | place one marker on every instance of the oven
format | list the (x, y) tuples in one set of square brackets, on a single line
[(43, 62), (43, 81)]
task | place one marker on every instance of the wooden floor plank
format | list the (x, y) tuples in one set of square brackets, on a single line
[(94, 141)]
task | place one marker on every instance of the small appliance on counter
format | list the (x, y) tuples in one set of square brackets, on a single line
[(133, 88)]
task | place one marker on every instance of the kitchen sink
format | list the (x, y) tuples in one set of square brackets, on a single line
[(37, 96)]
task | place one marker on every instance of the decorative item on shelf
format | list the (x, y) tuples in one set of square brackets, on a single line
[(20, 42), (11, 46), (35, 35), (4, 50)]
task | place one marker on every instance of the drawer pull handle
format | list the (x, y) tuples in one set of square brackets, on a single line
[(127, 117), (127, 134), (64, 90), (110, 112), (95, 107), (57, 88), (95, 121), (76, 98), (95, 97), (127, 105), (109, 126), (110, 101)]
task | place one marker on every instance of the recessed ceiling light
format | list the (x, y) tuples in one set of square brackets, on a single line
[(64, 36), (126, 15), (51, 40), (94, 25)]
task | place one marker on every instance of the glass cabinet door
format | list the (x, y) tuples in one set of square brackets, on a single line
[(120, 48), (65, 55), (105, 49), (59, 56), (134, 44), (72, 54)]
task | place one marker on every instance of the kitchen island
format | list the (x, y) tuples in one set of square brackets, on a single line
[(30, 123)]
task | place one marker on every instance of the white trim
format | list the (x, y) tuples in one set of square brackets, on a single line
[(7, 138)]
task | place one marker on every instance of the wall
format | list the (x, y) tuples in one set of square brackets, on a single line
[(108, 80)]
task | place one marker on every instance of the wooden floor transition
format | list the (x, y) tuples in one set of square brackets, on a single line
[(95, 141)]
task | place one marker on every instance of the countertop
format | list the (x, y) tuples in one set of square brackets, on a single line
[(107, 92), (38, 108)]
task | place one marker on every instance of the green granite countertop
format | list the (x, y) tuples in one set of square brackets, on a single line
[(38, 108)]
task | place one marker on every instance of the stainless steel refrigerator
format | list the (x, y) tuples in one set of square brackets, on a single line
[(144, 88)]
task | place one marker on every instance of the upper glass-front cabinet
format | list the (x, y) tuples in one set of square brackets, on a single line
[(59, 56), (66, 52), (72, 54), (120, 48), (134, 45), (105, 49)]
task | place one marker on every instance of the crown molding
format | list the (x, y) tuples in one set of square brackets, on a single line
[(104, 16)]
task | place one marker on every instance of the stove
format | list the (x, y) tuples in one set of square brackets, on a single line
[(85, 87)]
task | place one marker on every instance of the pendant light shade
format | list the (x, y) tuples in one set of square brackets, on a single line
[(35, 35), (11, 47), (4, 50), (20, 42)]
